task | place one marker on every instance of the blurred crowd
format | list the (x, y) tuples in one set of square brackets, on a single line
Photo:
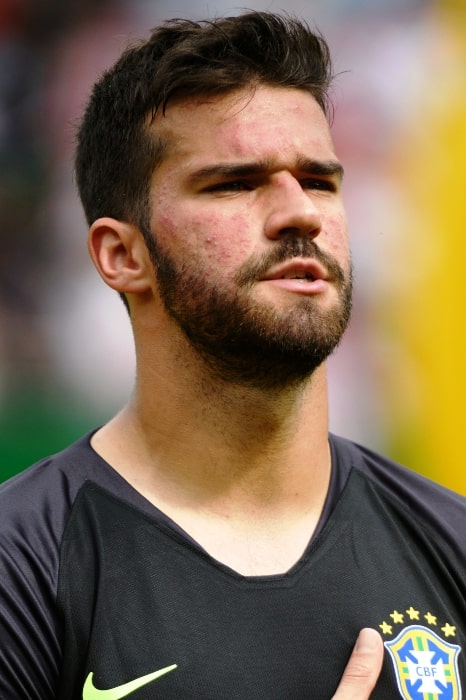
[(66, 360)]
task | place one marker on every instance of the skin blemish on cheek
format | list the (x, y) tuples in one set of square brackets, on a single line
[(164, 226), (217, 247), (336, 234), (221, 232)]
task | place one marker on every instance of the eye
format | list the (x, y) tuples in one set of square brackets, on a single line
[(230, 186), (321, 185)]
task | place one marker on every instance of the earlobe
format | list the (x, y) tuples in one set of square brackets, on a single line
[(119, 253)]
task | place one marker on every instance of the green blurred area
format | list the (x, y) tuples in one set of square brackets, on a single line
[(37, 422)]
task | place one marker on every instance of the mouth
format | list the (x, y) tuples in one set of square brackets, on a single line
[(304, 270), (302, 276)]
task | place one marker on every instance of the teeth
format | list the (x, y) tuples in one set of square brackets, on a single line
[(297, 277)]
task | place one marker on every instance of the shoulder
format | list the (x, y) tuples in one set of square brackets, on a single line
[(46, 490), (34, 509), (432, 506)]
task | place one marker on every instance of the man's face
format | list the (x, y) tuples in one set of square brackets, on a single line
[(248, 233)]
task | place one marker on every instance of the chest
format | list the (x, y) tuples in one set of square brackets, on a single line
[(137, 599)]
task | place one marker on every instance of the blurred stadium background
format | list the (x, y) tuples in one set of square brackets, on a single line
[(398, 380)]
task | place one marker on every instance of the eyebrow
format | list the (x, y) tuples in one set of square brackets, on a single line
[(327, 168)]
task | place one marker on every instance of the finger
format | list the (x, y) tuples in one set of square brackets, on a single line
[(363, 668)]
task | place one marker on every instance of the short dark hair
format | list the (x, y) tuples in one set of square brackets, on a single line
[(116, 153)]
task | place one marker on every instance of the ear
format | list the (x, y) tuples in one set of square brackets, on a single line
[(120, 255)]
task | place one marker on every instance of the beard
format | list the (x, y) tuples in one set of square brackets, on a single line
[(247, 341)]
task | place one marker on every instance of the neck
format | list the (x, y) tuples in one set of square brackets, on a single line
[(210, 435), (238, 462)]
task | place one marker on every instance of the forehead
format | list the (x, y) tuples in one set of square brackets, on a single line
[(266, 122)]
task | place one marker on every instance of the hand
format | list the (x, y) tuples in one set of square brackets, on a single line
[(363, 668)]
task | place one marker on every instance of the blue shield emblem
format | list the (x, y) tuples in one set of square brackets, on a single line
[(425, 665)]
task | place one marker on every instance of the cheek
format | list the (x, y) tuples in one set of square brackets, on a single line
[(203, 236), (165, 222), (337, 235), (224, 239)]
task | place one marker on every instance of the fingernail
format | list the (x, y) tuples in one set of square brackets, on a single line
[(368, 640)]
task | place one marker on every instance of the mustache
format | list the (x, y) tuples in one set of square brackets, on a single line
[(292, 248)]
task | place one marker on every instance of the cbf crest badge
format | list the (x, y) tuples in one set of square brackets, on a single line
[(425, 665)]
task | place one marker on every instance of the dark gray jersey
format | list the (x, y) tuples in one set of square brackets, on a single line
[(101, 591)]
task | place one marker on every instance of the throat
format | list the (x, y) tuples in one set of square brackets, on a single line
[(253, 548)]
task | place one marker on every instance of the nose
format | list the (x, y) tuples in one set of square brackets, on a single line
[(292, 211)]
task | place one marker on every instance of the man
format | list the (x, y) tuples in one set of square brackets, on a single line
[(212, 540)]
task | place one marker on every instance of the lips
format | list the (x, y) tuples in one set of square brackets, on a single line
[(302, 276), (303, 269)]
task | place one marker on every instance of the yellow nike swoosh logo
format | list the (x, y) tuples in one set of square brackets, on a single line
[(90, 692)]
